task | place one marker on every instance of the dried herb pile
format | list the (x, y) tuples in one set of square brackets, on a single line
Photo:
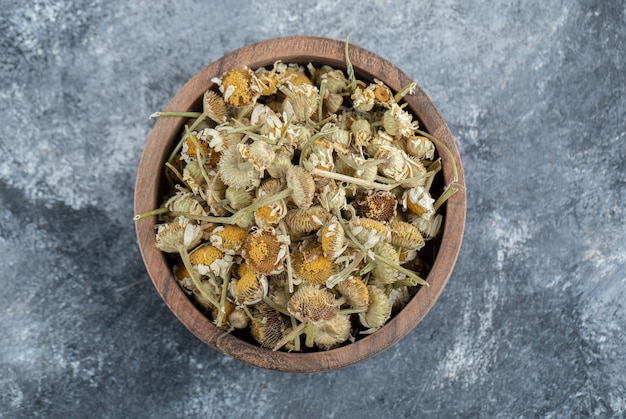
[(301, 200)]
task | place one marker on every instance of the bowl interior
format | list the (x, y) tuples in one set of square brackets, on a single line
[(151, 188)]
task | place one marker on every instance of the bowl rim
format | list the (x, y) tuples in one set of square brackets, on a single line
[(302, 50)]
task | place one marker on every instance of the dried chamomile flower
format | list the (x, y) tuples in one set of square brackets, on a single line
[(302, 186), (301, 102), (214, 107), (265, 251), (368, 232), (196, 147), (354, 290), (361, 131), (363, 99), (379, 310), (383, 273), (267, 81), (332, 197), (281, 165), (399, 297), (406, 255), (429, 227), (314, 304), (250, 287), (330, 333), (377, 205), (259, 153), (406, 235), (176, 235), (237, 197), (398, 122), (382, 94), (267, 325), (311, 266), (238, 319), (397, 164), (235, 171), (333, 102), (319, 157), (272, 125), (228, 238), (239, 87), (306, 220), (184, 202), (184, 279), (336, 81), (208, 259), (293, 75), (214, 194), (332, 238), (418, 201), (420, 147), (193, 177), (272, 213)]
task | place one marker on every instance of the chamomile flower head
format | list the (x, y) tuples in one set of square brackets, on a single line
[(406, 235), (265, 251), (214, 107), (420, 147), (185, 202), (302, 185), (368, 231), (228, 238), (178, 234), (208, 259), (354, 290), (382, 272), (306, 220), (377, 205), (235, 171), (332, 239), (311, 265), (301, 102), (379, 309), (419, 202), (312, 303), (361, 132), (267, 325), (240, 87), (250, 287), (330, 333)]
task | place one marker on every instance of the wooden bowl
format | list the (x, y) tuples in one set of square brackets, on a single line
[(150, 189)]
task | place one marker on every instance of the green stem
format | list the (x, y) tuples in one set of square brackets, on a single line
[(290, 336), (444, 197), (351, 179), (294, 325), (157, 211), (267, 300), (175, 171), (345, 272), (352, 310), (310, 335), (403, 92), (183, 114)]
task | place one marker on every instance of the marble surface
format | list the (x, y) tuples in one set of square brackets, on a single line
[(532, 321)]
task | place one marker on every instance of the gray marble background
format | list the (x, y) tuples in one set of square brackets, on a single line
[(532, 322)]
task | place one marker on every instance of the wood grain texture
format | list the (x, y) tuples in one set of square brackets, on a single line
[(150, 178)]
